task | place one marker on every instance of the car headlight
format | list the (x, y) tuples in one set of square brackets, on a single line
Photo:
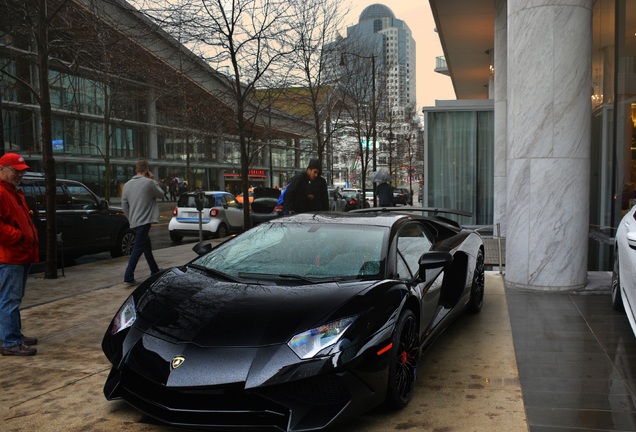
[(307, 344), (125, 316)]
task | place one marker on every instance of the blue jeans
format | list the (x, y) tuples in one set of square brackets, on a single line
[(141, 246), (13, 279)]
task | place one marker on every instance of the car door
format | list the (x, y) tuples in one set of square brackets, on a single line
[(627, 256), (68, 222), (233, 212), (91, 228), (412, 242)]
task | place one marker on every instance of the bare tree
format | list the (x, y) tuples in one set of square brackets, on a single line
[(316, 24), (249, 36), (32, 19)]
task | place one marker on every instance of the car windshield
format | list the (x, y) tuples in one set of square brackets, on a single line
[(300, 252)]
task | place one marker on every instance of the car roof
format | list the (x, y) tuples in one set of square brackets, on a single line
[(379, 216)]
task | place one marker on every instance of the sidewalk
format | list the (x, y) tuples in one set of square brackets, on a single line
[(468, 380)]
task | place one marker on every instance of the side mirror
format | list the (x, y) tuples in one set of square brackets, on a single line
[(202, 248), (103, 205), (432, 260), (631, 239)]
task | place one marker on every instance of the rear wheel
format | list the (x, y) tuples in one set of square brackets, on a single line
[(222, 231), (124, 244), (477, 288), (617, 299), (175, 237), (403, 361)]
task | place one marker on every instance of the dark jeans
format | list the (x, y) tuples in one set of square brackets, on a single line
[(141, 246)]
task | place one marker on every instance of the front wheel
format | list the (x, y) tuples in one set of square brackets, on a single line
[(477, 288), (124, 245), (617, 299), (403, 361)]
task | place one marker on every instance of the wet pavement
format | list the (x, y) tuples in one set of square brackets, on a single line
[(576, 358), (528, 362)]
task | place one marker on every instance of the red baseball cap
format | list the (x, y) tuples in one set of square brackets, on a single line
[(14, 161)]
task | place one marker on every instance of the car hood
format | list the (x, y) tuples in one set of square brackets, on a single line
[(189, 306)]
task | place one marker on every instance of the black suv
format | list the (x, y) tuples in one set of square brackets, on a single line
[(87, 223), (402, 196)]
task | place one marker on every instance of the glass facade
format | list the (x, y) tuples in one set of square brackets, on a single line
[(460, 163), (613, 156)]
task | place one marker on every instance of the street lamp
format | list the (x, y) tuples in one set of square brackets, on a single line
[(373, 114)]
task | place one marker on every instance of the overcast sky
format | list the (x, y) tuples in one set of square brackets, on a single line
[(418, 16)]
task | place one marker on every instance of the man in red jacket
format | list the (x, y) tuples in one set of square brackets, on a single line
[(18, 250)]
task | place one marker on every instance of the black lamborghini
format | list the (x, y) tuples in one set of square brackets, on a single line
[(296, 324)]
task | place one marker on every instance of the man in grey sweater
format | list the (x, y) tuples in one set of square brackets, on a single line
[(139, 201)]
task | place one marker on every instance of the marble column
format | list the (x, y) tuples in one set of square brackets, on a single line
[(500, 101), (549, 138)]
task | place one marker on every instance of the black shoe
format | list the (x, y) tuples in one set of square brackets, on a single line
[(18, 350), (132, 283), (27, 340)]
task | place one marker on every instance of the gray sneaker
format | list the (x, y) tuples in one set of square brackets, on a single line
[(19, 350)]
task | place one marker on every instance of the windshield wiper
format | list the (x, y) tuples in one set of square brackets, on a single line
[(298, 277), (279, 276), (215, 272)]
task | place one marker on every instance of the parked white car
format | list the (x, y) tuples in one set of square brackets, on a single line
[(222, 214), (624, 274), (336, 201)]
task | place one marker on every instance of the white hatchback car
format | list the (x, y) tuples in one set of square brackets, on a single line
[(624, 274), (222, 214)]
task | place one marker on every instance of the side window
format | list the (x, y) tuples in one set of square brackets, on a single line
[(412, 242), (81, 198), (230, 201), (62, 198), (29, 196)]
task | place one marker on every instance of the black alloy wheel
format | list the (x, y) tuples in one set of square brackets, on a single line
[(403, 361), (617, 299), (477, 288)]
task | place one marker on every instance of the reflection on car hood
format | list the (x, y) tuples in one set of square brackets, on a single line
[(195, 307)]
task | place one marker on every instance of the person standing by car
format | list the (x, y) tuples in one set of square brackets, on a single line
[(18, 250), (317, 192), (139, 202), (384, 192), (297, 195)]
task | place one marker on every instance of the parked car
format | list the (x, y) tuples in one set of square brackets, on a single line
[(336, 201), (85, 223), (294, 325), (250, 197), (265, 205), (369, 198), (222, 214), (354, 200), (402, 196), (623, 288)]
